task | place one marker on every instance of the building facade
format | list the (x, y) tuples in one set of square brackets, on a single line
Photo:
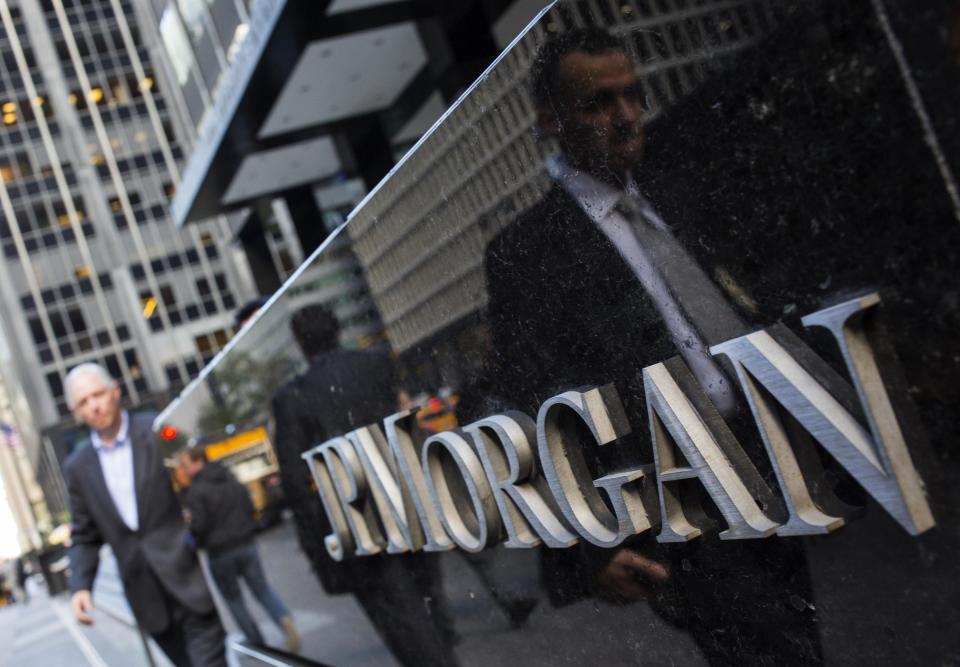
[(92, 268), (194, 44), (398, 237), (339, 103), (26, 511)]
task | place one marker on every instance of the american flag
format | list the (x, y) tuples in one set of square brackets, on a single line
[(9, 437)]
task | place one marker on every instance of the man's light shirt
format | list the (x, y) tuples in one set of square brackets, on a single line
[(116, 462), (600, 202)]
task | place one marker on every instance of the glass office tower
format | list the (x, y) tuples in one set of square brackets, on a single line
[(91, 268)]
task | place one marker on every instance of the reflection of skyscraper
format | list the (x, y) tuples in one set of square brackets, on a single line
[(482, 169), (91, 267), (337, 280)]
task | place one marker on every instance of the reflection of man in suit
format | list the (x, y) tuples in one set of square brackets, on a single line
[(340, 391), (598, 280), (598, 256), (121, 495)]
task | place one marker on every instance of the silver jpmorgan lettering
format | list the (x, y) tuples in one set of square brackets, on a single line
[(470, 487), (676, 424), (805, 517), (393, 507), (396, 483), (399, 428), (599, 408), (898, 488), (340, 542), (350, 486)]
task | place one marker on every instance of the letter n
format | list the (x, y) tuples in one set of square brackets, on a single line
[(875, 455)]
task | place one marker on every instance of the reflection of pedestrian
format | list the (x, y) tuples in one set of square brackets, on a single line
[(594, 265), (221, 519), (340, 391), (598, 280), (120, 494)]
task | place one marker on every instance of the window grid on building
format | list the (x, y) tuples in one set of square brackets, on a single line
[(68, 249), (483, 167)]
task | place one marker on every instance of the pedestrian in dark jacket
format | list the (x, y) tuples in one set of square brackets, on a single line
[(220, 514)]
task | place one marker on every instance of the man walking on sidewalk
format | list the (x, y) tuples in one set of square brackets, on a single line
[(121, 495), (220, 514)]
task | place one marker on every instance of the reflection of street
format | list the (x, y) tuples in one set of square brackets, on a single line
[(486, 636), (335, 630)]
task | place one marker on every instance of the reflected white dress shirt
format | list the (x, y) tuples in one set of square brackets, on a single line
[(600, 202), (116, 462)]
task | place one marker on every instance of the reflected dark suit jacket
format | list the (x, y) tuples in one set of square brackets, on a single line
[(153, 559), (342, 390), (565, 311), (772, 176)]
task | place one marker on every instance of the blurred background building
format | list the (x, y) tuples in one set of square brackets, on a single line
[(102, 104), (27, 514), (296, 110), (92, 268)]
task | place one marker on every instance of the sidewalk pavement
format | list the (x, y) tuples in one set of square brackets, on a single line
[(43, 633)]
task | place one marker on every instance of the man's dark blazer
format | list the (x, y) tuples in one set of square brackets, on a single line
[(155, 561), (566, 310)]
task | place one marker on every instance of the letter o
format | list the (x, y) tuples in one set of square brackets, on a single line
[(469, 521)]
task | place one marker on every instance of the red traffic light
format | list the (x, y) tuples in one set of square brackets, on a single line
[(168, 433)]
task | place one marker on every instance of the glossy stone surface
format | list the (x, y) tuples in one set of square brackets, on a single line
[(800, 153)]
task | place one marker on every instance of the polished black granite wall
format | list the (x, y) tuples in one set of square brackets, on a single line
[(793, 156)]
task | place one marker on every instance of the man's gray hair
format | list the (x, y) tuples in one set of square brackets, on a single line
[(88, 368)]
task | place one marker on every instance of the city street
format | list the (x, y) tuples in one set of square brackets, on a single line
[(334, 628), (42, 633), (336, 631), (369, 333)]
